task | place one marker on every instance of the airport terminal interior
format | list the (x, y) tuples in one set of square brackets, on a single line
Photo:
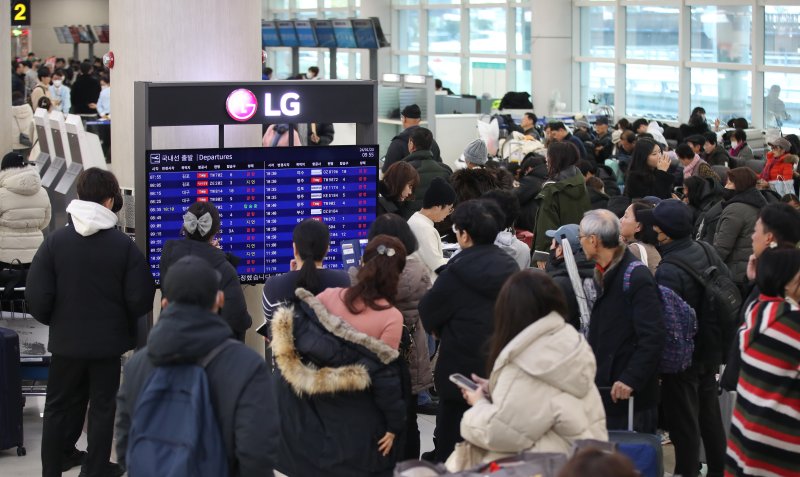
[(272, 112)]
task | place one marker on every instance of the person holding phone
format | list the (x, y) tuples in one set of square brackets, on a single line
[(647, 173), (534, 356)]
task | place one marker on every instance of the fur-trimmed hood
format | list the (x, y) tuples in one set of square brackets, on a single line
[(308, 379)]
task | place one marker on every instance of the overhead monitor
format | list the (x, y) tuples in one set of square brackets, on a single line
[(364, 32), (74, 33), (262, 194), (305, 34), (62, 35), (343, 30), (324, 31), (269, 34), (287, 33)]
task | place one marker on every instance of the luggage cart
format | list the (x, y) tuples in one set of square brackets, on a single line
[(34, 358)]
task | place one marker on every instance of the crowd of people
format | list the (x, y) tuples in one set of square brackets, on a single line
[(613, 266)]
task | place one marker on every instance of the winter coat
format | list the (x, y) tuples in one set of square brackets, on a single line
[(733, 236), (652, 256), (711, 196), (325, 132), (597, 199), (398, 149), (627, 333), (560, 203), (414, 283), (609, 178), (24, 213), (90, 284), (239, 381), (548, 363), (557, 269), (528, 190), (338, 392), (430, 244), (85, 90), (708, 345), (235, 310), (655, 183), (718, 157), (428, 169), (516, 248), (742, 154), (22, 122), (578, 143), (390, 206), (459, 309), (778, 168)]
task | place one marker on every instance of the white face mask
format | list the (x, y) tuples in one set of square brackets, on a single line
[(734, 144), (58, 83)]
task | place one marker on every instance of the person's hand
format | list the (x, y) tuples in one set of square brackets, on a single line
[(473, 396), (752, 264), (385, 444), (482, 382), (762, 184), (716, 124), (92, 105), (293, 265), (663, 162), (215, 243), (541, 265), (314, 138), (620, 391)]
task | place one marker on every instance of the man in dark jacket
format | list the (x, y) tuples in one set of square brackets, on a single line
[(557, 269), (715, 153), (626, 330), (689, 398), (421, 157), (240, 385), (398, 148), (603, 147), (559, 132), (85, 91), (533, 172), (458, 309), (89, 283)]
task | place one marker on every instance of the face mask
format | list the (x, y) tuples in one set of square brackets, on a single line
[(728, 194), (58, 83), (734, 144)]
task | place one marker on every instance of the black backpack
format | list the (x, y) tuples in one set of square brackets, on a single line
[(516, 100), (721, 301)]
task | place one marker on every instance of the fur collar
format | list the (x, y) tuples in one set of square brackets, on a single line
[(306, 379)]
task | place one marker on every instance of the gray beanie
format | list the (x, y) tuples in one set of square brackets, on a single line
[(476, 152)]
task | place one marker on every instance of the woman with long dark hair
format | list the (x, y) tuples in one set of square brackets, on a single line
[(639, 236), (201, 224), (647, 173), (534, 357), (396, 190)]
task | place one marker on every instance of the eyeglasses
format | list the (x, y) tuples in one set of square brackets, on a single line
[(581, 236)]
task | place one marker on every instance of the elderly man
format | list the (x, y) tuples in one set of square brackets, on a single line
[(626, 330), (398, 148)]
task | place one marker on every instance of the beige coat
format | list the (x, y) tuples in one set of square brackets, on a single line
[(24, 213), (414, 283), (543, 394), (22, 122)]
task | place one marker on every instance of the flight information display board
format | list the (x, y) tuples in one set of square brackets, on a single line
[(262, 193)]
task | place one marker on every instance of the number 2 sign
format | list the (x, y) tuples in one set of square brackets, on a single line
[(20, 12)]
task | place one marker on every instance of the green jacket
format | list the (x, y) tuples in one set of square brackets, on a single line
[(428, 169), (560, 203)]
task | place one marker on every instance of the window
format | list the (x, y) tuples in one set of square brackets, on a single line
[(524, 81), (597, 32), (408, 22), (447, 69), (487, 30), (781, 37), (721, 34), (782, 100), (444, 30), (652, 32), (597, 83), (523, 29), (488, 75), (725, 94), (652, 91), (409, 64)]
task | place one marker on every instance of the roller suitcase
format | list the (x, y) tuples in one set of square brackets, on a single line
[(643, 449), (10, 392)]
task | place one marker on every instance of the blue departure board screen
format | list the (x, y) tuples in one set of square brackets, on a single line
[(287, 33), (261, 194), (343, 31), (269, 35), (305, 34), (325, 35), (365, 34)]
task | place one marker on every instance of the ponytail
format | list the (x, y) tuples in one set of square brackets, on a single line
[(311, 240)]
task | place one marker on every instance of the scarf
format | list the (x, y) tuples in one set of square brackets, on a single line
[(688, 171), (770, 163)]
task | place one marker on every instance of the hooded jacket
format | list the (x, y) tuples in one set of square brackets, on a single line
[(398, 148), (414, 283), (562, 202), (235, 310), (89, 283), (778, 168), (24, 213), (459, 309), (734, 229), (238, 378), (557, 269), (428, 169), (514, 247), (548, 363), (528, 190), (338, 392)]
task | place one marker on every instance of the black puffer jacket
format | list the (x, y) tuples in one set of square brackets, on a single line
[(459, 309), (529, 188), (606, 174), (398, 148), (708, 341), (391, 206), (235, 309), (557, 269), (656, 183), (338, 392), (709, 197)]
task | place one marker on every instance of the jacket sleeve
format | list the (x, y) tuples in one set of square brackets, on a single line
[(256, 426), (728, 229), (436, 307), (138, 284), (235, 309), (499, 425), (430, 249), (662, 184), (648, 325), (394, 153), (40, 290), (667, 275), (122, 426), (388, 395), (48, 211)]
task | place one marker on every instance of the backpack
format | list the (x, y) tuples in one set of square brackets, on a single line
[(721, 301), (680, 322), (174, 430)]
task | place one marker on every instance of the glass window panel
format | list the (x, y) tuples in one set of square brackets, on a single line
[(405, 2), (597, 31), (597, 83), (306, 15), (336, 14), (409, 64), (523, 78), (278, 4), (725, 94), (652, 91), (336, 3), (309, 58), (487, 75), (652, 32), (781, 37), (487, 1), (443, 2), (282, 59), (523, 36), (721, 34), (487, 30), (306, 3), (447, 69), (408, 24), (444, 30), (782, 100)]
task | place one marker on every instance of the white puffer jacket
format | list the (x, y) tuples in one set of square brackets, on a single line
[(543, 394), (24, 213), (22, 122)]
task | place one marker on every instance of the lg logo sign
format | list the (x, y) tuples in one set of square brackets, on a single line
[(242, 105)]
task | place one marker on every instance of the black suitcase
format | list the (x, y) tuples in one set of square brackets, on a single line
[(10, 392)]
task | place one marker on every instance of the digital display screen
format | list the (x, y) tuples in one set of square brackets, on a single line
[(325, 36), (261, 194), (365, 34), (287, 33), (343, 31), (269, 35), (305, 34)]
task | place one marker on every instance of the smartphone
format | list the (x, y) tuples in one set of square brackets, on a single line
[(463, 382), (539, 256)]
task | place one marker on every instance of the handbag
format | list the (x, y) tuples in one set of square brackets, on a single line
[(12, 275), (782, 187), (24, 139), (465, 456)]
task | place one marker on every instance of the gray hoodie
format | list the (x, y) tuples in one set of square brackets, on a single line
[(515, 247)]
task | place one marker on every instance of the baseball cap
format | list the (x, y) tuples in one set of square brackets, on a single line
[(570, 231)]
